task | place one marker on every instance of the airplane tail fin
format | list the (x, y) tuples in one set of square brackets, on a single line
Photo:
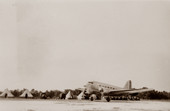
[(128, 85)]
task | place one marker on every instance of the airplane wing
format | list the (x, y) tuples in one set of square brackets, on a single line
[(115, 90), (125, 91), (81, 89), (139, 91)]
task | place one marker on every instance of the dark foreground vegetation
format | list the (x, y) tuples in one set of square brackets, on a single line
[(55, 94), (155, 95)]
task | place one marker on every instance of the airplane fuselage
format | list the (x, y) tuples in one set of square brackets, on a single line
[(107, 90)]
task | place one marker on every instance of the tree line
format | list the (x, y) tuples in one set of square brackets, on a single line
[(49, 94)]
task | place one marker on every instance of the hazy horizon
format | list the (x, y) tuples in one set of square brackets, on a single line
[(48, 44)]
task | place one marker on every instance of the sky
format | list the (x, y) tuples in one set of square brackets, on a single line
[(63, 44)]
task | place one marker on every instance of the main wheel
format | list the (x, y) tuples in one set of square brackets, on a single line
[(108, 99), (91, 98)]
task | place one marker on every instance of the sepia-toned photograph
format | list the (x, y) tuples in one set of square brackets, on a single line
[(84, 55)]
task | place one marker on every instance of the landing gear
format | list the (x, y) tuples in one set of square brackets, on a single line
[(91, 98), (108, 99)]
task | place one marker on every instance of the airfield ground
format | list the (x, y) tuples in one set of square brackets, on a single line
[(83, 105)]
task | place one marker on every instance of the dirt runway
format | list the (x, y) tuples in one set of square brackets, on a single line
[(83, 105)]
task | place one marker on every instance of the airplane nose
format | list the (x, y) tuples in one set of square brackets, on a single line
[(86, 91)]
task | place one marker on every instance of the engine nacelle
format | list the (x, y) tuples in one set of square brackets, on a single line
[(93, 97)]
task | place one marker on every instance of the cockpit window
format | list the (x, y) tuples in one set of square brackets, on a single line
[(91, 82)]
